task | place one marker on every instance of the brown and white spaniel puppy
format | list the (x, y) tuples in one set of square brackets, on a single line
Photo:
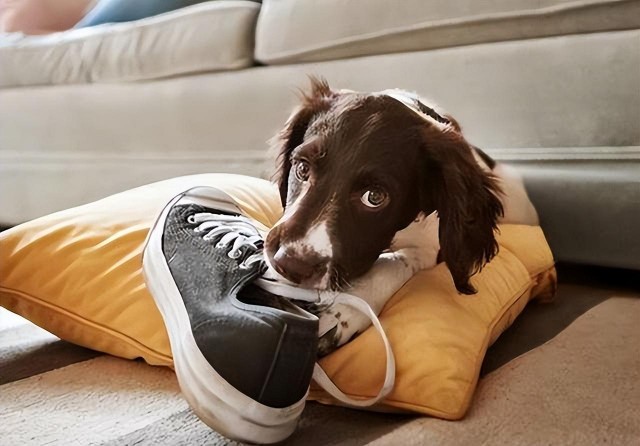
[(363, 174)]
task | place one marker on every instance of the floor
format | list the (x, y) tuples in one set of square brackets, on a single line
[(564, 373)]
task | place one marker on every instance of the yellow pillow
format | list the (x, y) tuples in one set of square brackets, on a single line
[(77, 273), (440, 337)]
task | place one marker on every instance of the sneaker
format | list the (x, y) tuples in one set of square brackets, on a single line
[(323, 304), (243, 356)]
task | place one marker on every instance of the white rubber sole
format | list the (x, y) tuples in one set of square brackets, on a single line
[(216, 402)]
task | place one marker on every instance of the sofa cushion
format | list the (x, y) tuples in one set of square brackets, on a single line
[(296, 30), (205, 37)]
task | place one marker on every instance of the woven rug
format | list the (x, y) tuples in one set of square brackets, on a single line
[(565, 373)]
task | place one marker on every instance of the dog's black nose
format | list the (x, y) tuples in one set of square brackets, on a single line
[(298, 268)]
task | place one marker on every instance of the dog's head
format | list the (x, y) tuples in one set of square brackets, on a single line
[(355, 168)]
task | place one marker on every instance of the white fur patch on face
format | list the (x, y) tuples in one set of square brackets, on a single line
[(317, 240)]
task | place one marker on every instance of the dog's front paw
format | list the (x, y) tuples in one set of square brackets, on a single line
[(418, 244), (338, 325)]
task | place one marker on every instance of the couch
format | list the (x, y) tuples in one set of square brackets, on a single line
[(552, 87)]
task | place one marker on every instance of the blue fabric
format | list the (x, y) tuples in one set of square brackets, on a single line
[(110, 11)]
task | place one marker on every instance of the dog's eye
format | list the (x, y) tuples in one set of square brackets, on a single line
[(302, 171), (374, 197)]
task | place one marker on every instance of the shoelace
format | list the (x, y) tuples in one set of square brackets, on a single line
[(328, 298), (321, 377), (241, 236), (230, 231)]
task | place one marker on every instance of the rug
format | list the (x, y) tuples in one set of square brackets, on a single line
[(565, 373)]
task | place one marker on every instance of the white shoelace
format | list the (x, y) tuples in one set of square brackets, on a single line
[(327, 298), (321, 377), (238, 233)]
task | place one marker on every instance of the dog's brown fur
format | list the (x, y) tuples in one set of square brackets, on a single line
[(355, 141)]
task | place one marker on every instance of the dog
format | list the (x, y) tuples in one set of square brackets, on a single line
[(377, 186)]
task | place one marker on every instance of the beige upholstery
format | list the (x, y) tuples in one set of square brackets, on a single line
[(297, 30), (542, 93), (550, 85), (210, 36)]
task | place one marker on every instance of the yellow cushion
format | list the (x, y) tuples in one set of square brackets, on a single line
[(440, 337), (77, 273)]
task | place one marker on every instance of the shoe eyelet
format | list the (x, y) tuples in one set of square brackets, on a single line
[(235, 254), (191, 220)]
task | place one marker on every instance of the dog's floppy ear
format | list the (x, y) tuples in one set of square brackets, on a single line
[(292, 135), (466, 198)]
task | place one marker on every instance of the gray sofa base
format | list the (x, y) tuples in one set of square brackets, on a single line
[(589, 208)]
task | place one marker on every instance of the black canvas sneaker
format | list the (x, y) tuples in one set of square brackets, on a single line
[(244, 357)]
